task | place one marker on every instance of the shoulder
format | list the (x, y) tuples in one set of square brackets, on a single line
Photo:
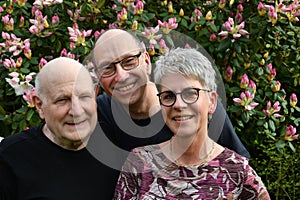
[(232, 161), (103, 99), (20, 140)]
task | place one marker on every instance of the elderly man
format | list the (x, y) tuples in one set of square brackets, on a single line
[(129, 110), (51, 161)]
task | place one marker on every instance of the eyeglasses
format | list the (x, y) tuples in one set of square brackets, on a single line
[(188, 95), (127, 64)]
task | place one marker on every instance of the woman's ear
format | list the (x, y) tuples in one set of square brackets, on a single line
[(212, 102), (38, 104)]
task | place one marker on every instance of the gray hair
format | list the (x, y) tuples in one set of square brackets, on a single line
[(38, 89), (187, 62)]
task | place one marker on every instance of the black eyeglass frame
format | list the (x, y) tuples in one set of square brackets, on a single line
[(176, 93), (113, 64)]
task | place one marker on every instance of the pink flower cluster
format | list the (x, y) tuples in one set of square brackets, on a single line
[(246, 100), (292, 11), (77, 36), (232, 28), (272, 110), (15, 46), (290, 134)]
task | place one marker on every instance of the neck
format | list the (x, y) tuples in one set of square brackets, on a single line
[(62, 142), (147, 106), (196, 151)]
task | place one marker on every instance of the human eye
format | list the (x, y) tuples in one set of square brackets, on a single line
[(86, 96), (129, 62), (61, 100), (167, 96), (190, 94), (108, 68)]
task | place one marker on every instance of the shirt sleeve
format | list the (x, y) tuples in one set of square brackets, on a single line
[(253, 187)]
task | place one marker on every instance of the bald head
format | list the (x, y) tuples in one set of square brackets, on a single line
[(60, 70), (114, 43)]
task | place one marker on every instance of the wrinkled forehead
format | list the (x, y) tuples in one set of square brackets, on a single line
[(114, 46)]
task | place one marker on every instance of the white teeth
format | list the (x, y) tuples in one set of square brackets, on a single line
[(182, 118), (126, 88)]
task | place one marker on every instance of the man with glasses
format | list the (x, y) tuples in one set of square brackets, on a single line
[(129, 111)]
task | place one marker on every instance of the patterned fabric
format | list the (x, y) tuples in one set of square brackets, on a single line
[(149, 174)]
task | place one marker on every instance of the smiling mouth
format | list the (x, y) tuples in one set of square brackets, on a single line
[(182, 118), (75, 123), (125, 88)]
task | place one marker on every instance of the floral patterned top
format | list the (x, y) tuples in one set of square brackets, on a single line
[(149, 174)]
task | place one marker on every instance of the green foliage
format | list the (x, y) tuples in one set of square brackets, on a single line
[(260, 67)]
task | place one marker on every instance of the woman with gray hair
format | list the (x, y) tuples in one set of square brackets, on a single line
[(190, 165)]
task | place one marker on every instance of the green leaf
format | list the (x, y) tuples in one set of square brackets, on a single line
[(24, 70), (245, 117), (22, 124), (272, 125), (292, 147), (34, 60), (29, 114), (224, 45), (39, 42), (280, 145), (184, 23), (100, 3), (260, 122), (22, 110), (213, 27)]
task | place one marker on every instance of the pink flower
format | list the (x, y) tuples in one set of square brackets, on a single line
[(139, 7), (238, 18), (240, 8), (150, 34), (276, 86), (261, 9), (293, 100), (244, 81), (22, 20), (28, 97), (8, 22), (252, 85), (272, 72), (78, 36), (55, 19), (19, 62), (163, 47), (246, 100), (168, 26), (231, 28), (290, 134), (196, 15), (42, 62), (9, 63), (272, 110), (213, 37), (228, 74)]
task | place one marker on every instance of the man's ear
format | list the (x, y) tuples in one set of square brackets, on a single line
[(148, 62), (96, 89), (212, 102), (38, 104)]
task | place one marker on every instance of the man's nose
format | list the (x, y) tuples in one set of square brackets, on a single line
[(121, 74), (76, 107)]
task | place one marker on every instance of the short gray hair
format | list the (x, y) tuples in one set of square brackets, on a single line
[(187, 62)]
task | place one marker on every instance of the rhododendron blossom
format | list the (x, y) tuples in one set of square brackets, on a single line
[(246, 100), (272, 110), (290, 134)]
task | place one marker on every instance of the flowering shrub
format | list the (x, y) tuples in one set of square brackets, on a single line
[(255, 45)]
